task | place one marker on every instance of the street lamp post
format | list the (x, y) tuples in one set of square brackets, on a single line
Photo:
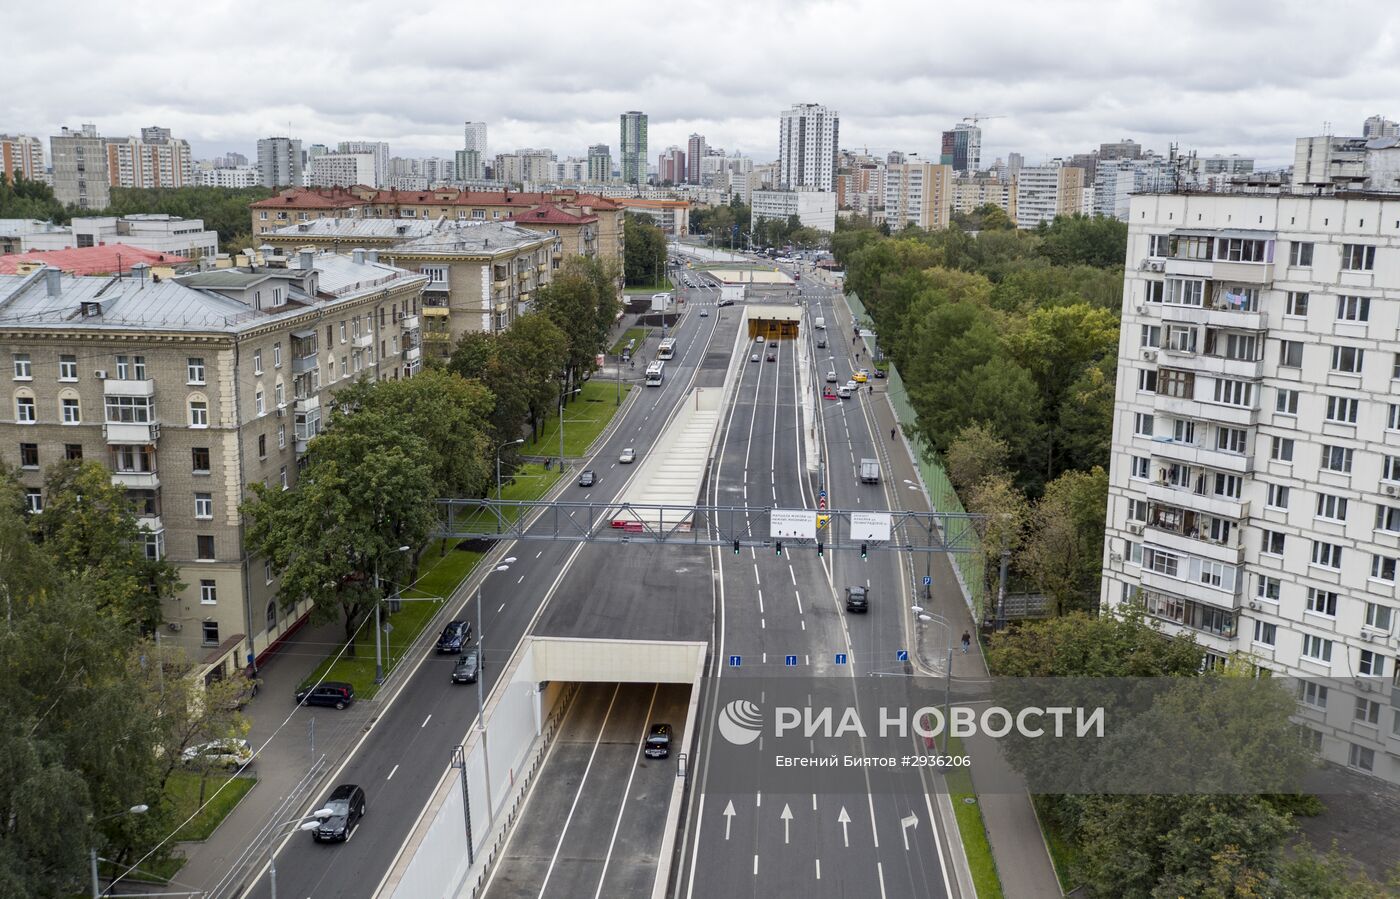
[(378, 630), (516, 442), (310, 822), (562, 394), (92, 850), (924, 618)]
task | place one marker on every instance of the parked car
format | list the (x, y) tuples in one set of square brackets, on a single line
[(879, 372), (230, 753), (336, 694), (467, 668), (628, 456), (725, 303), (587, 478), (455, 635), (856, 600), (346, 805), (658, 742)]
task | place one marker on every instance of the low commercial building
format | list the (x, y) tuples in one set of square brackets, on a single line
[(813, 208), (671, 216), (107, 259), (156, 232), (190, 389)]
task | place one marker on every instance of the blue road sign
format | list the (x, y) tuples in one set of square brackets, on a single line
[(840, 658), (821, 494), (901, 655), (927, 580), (790, 661), (735, 661)]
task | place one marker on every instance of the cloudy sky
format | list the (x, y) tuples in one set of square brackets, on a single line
[(1223, 76)]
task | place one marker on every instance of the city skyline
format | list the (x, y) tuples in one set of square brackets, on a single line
[(899, 92)]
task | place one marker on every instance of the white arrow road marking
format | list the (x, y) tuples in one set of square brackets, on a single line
[(845, 821), (905, 824), (787, 824), (728, 817)]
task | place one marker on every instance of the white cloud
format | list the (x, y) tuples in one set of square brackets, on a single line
[(1236, 76)]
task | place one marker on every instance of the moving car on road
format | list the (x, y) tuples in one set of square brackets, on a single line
[(857, 600), (588, 478), (772, 357), (658, 742), (467, 668), (346, 805), (335, 694), (628, 456), (456, 635), (860, 377)]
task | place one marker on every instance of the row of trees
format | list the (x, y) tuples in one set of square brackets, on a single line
[(1007, 343), (1154, 846), (721, 222), (644, 251), (392, 447), (94, 715)]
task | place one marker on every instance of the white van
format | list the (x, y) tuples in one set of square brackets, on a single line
[(831, 376), (821, 324)]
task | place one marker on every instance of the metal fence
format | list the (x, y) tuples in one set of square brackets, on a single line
[(971, 565)]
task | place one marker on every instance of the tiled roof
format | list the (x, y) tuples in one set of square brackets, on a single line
[(549, 214), (106, 259), (301, 198)]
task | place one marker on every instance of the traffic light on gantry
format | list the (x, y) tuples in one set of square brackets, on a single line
[(864, 550)]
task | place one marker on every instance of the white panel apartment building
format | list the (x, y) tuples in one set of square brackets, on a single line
[(342, 170), (1255, 480), (808, 140)]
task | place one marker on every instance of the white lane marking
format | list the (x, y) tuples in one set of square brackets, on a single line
[(498, 611), (844, 820), (760, 602), (793, 575), (538, 554), (568, 819), (799, 601), (522, 578), (755, 864), (756, 579), (880, 873), (758, 800), (814, 802), (729, 814), (391, 773), (819, 868), (804, 625), (426, 720), (622, 807), (787, 823), (763, 624)]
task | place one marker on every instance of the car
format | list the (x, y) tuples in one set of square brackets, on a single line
[(857, 600), (455, 635), (725, 303), (346, 805), (773, 344), (860, 377), (844, 391), (758, 339), (587, 478), (754, 357), (821, 343), (772, 357), (831, 376), (704, 313), (335, 694), (658, 745), (879, 372), (850, 385), (628, 456), (230, 753), (467, 668)]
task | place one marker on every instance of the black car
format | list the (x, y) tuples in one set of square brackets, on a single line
[(588, 478), (879, 372), (821, 344), (773, 344), (335, 694), (856, 600), (725, 303), (456, 635), (346, 806), (772, 357), (467, 668), (658, 742)]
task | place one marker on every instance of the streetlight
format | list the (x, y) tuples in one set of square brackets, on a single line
[(378, 601), (923, 618), (516, 442), (575, 392), (308, 823), (92, 850)]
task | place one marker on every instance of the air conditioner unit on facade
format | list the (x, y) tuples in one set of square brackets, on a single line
[(281, 411), (1253, 604), (100, 374), (1134, 529), (1115, 558), (1367, 636), (1149, 355), (1390, 489), (1158, 266), (1145, 264), (174, 626)]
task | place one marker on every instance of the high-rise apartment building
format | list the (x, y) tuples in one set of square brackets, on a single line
[(986, 189), (1046, 191), (1254, 497), (599, 163), (808, 140), (280, 162), (342, 170), (633, 146), (1379, 126), (378, 150), (918, 193), (80, 168), (525, 166), (21, 154), (695, 152), (671, 167), (154, 160), (962, 148), (471, 159)]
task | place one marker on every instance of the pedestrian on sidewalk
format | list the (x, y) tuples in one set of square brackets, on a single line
[(966, 641), (892, 430)]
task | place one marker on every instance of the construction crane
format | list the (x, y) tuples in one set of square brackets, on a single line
[(977, 117)]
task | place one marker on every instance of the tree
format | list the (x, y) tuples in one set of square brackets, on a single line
[(367, 489), (582, 303), (222, 209), (89, 530), (1003, 527), (536, 351), (1124, 644), (21, 198), (644, 253), (974, 454), (1084, 240), (1086, 416), (1064, 550)]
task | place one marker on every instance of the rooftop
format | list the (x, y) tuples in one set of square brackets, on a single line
[(465, 238), (358, 229), (358, 195), (549, 214), (103, 259)]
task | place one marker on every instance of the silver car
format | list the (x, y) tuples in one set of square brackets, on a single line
[(628, 456)]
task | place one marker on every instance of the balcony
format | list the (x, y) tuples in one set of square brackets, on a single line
[(1216, 316), (1230, 368), (1192, 590), (115, 387), (437, 287), (1192, 540), (136, 480), (307, 404), (412, 354), (1188, 498), (409, 323), (363, 341), (1175, 407), (127, 432), (303, 364), (1198, 454), (150, 523)]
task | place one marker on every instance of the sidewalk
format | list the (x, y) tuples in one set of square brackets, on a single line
[(1022, 859)]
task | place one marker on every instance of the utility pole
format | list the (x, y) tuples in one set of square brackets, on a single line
[(378, 658), (481, 709)]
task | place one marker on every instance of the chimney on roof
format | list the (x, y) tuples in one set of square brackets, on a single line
[(372, 256), (357, 255), (308, 259), (138, 271), (51, 281)]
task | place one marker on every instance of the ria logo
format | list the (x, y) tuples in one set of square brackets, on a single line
[(740, 722)]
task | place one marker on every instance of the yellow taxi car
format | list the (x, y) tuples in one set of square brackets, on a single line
[(859, 377)]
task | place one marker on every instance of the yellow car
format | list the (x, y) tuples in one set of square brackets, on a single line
[(859, 377)]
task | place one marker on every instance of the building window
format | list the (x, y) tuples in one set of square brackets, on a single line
[(199, 460), (1163, 562), (1327, 555), (259, 402), (1265, 633), (1290, 353), (204, 505), (68, 368), (1361, 757), (279, 394), (1322, 602), (204, 547), (1181, 338), (257, 362), (194, 369), (342, 332), (282, 477), (1353, 309), (1281, 449), (1233, 393), (1331, 507), (34, 500), (1312, 694), (1348, 359), (1277, 496), (277, 355), (1382, 569), (345, 366), (1358, 257), (71, 413), (154, 544), (1232, 440), (1268, 588), (1184, 431), (1272, 543), (199, 414), (267, 571), (29, 455), (1337, 458), (24, 369), (1228, 485), (1300, 253), (262, 446), (1142, 424), (73, 452), (208, 592), (1371, 664), (1286, 402), (1367, 711), (211, 633), (1141, 467), (1316, 648), (1388, 519), (271, 614), (1184, 292), (281, 436), (1152, 337), (1176, 383)]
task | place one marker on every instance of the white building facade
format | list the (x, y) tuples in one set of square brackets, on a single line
[(809, 137), (342, 170), (1254, 495), (813, 208)]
